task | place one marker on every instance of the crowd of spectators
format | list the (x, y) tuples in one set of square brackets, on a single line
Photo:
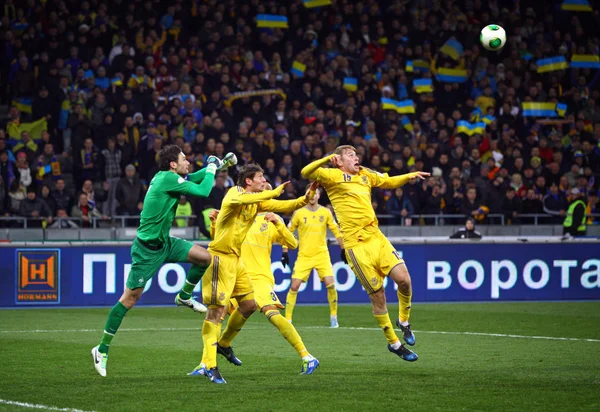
[(116, 80)]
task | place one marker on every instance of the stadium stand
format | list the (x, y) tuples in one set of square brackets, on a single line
[(94, 89)]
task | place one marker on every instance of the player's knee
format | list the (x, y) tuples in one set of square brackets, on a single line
[(247, 307), (378, 301), (131, 296), (214, 314), (199, 256)]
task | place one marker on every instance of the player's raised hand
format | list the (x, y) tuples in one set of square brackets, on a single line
[(213, 215), (229, 160), (214, 160), (312, 189), (421, 175), (271, 217), (279, 189)]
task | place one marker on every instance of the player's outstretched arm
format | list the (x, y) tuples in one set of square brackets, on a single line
[(178, 185), (283, 236), (311, 170), (236, 195), (288, 206), (387, 182), (198, 176)]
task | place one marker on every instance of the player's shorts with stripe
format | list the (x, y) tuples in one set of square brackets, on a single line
[(372, 261), (147, 258), (264, 292), (303, 267), (226, 277)]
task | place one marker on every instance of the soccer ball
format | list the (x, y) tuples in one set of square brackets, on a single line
[(492, 37)]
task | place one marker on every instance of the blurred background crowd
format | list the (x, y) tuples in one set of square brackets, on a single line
[(93, 89)]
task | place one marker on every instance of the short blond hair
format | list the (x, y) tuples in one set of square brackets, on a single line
[(341, 149)]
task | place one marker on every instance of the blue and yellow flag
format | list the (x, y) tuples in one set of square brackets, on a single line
[(309, 4), (117, 81), (488, 119), (585, 61), (451, 75), (551, 64), (420, 66), (24, 104), (298, 69), (576, 5), (423, 85), (350, 84), (470, 128), (407, 124), (272, 21), (453, 49), (35, 129), (561, 109), (539, 109), (403, 107)]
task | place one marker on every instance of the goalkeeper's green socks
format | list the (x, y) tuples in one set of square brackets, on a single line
[(115, 317), (193, 277)]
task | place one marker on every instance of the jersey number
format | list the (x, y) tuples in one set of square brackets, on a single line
[(347, 178), (304, 220), (274, 297), (396, 254)]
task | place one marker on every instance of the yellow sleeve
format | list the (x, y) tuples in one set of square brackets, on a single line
[(139, 41), (282, 206), (213, 226), (332, 225), (386, 182), (283, 236), (293, 225), (160, 42), (315, 171), (237, 196)]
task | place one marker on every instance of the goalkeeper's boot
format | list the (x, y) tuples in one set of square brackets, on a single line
[(333, 322), (229, 160), (100, 360), (199, 370), (309, 366), (214, 375), (404, 353), (407, 333), (228, 354), (191, 303)]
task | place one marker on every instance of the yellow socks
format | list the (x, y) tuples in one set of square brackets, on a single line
[(290, 302), (404, 301), (210, 334), (287, 330), (332, 297), (388, 328), (234, 325)]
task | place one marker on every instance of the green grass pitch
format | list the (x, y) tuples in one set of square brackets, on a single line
[(150, 356)]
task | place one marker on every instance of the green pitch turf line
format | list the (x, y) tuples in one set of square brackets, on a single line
[(432, 332), (38, 406)]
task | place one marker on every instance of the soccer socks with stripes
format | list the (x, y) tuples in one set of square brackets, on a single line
[(332, 297), (404, 303), (288, 331), (210, 335), (234, 325), (387, 327), (193, 277), (115, 317), (290, 302)]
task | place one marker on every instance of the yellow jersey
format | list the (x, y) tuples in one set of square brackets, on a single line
[(238, 212), (350, 196), (256, 249), (312, 230)]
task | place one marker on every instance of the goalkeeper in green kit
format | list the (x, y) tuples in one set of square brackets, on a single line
[(153, 245)]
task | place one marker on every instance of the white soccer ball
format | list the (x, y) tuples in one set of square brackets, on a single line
[(492, 37)]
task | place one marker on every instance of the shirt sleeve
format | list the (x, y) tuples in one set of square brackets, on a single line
[(293, 225), (283, 236), (332, 225), (178, 185), (237, 196), (282, 206), (384, 181), (315, 170)]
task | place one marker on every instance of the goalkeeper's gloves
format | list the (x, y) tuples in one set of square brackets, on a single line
[(229, 160), (214, 160), (285, 259), (343, 256)]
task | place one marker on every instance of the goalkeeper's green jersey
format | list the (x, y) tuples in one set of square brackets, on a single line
[(162, 198)]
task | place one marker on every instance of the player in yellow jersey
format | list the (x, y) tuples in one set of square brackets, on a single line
[(268, 228), (226, 277), (312, 222), (370, 255)]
